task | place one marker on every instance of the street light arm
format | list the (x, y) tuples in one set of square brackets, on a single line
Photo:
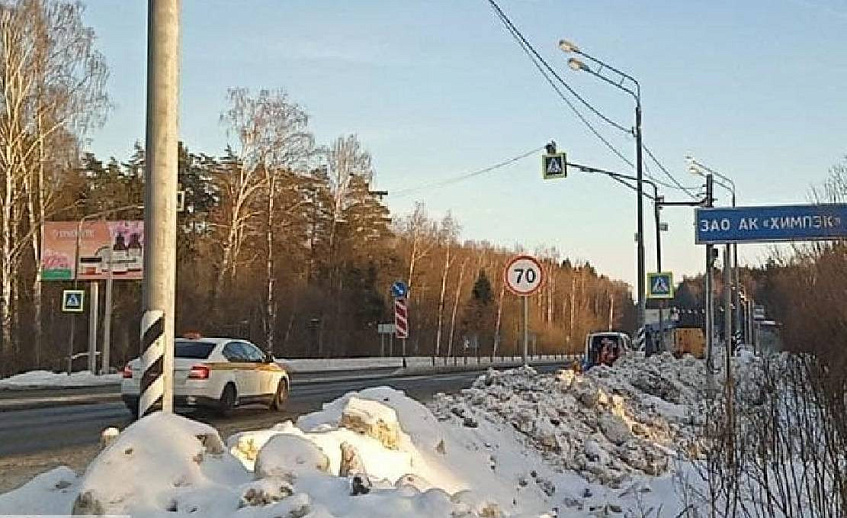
[(603, 64), (635, 94), (730, 187), (618, 176)]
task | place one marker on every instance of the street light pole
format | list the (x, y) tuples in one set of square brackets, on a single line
[(576, 64), (642, 274), (727, 183)]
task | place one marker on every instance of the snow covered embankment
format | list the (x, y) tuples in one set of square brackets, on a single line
[(607, 425), (517, 443), (372, 454)]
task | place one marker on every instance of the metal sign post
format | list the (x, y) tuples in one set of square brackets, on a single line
[(523, 276), (93, 314), (400, 290)]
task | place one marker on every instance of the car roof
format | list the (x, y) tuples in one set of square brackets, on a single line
[(214, 340), (609, 333)]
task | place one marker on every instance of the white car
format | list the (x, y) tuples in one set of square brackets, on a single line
[(219, 373)]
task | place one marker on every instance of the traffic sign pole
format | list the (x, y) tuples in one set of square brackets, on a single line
[(93, 315), (523, 276), (525, 300)]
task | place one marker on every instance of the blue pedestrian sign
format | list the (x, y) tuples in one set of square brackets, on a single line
[(771, 223), (554, 165), (399, 290), (73, 301), (660, 285)]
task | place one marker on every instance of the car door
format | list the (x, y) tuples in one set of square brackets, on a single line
[(240, 366), (267, 375), (249, 369), (262, 375)]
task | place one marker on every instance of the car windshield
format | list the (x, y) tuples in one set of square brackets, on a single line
[(193, 349)]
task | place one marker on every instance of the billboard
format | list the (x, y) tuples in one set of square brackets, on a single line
[(106, 249)]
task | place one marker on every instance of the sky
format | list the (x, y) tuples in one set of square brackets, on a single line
[(435, 89)]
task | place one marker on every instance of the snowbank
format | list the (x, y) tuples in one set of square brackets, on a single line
[(46, 379), (516, 444)]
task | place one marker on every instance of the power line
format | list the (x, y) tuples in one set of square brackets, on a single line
[(686, 190), (535, 57), (449, 181)]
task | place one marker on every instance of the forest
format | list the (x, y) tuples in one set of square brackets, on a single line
[(282, 239)]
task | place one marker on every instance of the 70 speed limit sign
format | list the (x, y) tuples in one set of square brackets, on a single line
[(524, 275)]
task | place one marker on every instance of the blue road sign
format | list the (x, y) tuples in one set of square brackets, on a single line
[(660, 285), (399, 289), (769, 224), (73, 301)]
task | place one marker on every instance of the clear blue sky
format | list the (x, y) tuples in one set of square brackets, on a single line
[(434, 89)]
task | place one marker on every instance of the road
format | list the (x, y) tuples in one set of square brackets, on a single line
[(42, 430)]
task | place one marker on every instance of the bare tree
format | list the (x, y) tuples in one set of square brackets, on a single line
[(53, 87), (448, 234)]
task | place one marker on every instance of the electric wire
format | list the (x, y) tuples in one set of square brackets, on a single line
[(449, 181), (535, 57)]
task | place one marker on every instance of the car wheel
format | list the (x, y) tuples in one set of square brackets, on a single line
[(133, 411), (226, 404), (281, 396)]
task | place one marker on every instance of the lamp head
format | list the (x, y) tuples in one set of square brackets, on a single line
[(576, 64), (568, 46)]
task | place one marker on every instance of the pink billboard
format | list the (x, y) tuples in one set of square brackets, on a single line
[(105, 249)]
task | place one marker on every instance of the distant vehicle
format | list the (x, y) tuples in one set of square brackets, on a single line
[(605, 347), (217, 373), (689, 340)]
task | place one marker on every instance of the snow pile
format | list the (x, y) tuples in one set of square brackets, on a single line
[(47, 379), (397, 460), (606, 425)]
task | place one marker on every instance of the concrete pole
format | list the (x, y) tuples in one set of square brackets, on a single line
[(93, 315), (160, 186), (525, 301)]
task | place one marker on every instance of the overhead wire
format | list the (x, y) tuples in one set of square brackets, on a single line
[(535, 57), (449, 181), (687, 190)]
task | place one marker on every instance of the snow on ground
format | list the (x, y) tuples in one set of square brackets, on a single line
[(517, 443), (47, 379), (413, 362)]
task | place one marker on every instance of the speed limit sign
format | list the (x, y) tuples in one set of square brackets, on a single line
[(524, 275)]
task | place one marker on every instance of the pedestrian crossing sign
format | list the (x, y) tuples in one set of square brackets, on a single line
[(73, 301), (660, 285), (554, 166)]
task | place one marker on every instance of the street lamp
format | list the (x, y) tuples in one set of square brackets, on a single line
[(697, 168), (621, 84)]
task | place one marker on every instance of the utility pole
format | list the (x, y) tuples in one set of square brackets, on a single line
[(710, 314), (657, 208), (642, 274), (160, 200)]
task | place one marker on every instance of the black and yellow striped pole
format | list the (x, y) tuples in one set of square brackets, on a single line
[(152, 361)]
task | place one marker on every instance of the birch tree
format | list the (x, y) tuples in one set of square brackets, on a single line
[(53, 91)]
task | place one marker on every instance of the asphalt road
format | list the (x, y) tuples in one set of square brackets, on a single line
[(41, 430)]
